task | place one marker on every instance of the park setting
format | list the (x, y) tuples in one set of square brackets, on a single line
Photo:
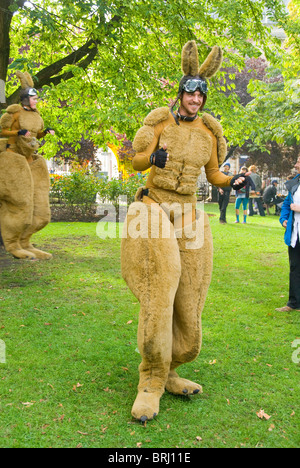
[(149, 225)]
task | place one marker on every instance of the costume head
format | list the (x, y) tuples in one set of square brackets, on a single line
[(28, 89), (195, 75)]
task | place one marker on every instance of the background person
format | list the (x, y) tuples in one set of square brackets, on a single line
[(258, 189), (224, 195), (290, 220), (242, 197)]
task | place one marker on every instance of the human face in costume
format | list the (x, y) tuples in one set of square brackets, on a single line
[(191, 103), (33, 100)]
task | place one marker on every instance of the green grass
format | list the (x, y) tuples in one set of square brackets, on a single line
[(71, 371)]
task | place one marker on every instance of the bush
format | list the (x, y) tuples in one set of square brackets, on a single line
[(73, 197)]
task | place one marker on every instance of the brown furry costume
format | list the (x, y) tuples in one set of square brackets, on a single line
[(170, 274), (24, 180)]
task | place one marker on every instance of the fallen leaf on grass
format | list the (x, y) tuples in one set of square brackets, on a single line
[(262, 415), (199, 438), (82, 433), (212, 362)]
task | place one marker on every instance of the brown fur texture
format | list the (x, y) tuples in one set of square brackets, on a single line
[(25, 79), (217, 130), (212, 64), (170, 280), (143, 138), (24, 186), (181, 173), (190, 61)]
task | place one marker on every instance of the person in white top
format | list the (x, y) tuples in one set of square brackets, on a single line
[(290, 220)]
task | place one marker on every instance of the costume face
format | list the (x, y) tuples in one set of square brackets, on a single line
[(191, 103), (33, 102)]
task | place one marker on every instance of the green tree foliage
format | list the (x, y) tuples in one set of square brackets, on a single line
[(104, 65)]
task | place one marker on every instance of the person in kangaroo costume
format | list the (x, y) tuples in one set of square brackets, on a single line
[(24, 177), (170, 274)]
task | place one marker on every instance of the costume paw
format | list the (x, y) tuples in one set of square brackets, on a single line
[(146, 406), (179, 386), (23, 254), (39, 253)]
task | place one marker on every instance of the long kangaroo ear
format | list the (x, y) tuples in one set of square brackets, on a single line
[(212, 63), (25, 79), (190, 59)]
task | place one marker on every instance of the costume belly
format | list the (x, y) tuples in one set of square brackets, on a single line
[(189, 150)]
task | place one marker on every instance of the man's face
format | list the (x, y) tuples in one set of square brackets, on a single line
[(191, 103), (297, 166)]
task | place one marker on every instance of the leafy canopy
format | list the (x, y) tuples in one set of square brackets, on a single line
[(131, 58)]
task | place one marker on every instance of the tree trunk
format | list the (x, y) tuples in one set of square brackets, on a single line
[(5, 21)]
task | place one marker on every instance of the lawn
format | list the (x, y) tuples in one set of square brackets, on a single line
[(69, 328)]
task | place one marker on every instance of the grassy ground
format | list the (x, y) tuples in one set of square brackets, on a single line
[(69, 328)]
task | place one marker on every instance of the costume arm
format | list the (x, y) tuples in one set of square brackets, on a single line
[(141, 161), (213, 174), (8, 133)]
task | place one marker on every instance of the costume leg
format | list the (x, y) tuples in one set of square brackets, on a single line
[(16, 200), (196, 270), (41, 206), (151, 268)]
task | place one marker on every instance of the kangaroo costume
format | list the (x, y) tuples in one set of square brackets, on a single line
[(170, 273), (24, 177)]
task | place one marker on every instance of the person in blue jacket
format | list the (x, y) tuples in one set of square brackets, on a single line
[(290, 220)]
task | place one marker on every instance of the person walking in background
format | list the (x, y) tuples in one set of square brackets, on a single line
[(242, 197), (290, 220), (224, 195), (258, 188)]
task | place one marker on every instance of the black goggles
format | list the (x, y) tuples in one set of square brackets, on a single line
[(196, 84)]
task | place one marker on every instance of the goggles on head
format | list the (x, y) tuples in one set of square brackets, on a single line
[(32, 92), (195, 84)]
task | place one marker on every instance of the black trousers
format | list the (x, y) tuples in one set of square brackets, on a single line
[(294, 256), (259, 206), (223, 203)]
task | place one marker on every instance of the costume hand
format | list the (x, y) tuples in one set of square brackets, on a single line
[(160, 157), (239, 181), (24, 133), (49, 130), (295, 207)]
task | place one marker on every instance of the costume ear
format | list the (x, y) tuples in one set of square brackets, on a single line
[(25, 79), (212, 64), (190, 59)]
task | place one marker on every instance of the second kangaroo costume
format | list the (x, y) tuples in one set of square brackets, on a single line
[(167, 248), (24, 176)]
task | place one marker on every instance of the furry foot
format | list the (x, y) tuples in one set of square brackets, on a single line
[(39, 253), (146, 406), (22, 254), (179, 386)]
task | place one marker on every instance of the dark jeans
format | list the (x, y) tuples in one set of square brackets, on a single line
[(259, 205), (294, 255), (223, 203)]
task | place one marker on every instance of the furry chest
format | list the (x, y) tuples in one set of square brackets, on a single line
[(31, 121), (189, 150)]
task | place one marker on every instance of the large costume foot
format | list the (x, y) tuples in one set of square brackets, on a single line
[(146, 406), (39, 253), (23, 254), (179, 386)]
